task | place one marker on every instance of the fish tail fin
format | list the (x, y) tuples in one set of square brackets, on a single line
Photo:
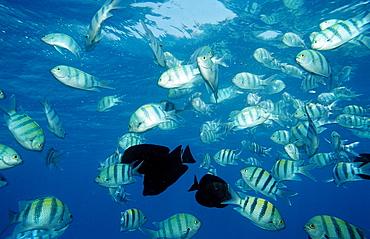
[(135, 170), (304, 171), (56, 160), (195, 185), (13, 218), (44, 102), (105, 85), (12, 107), (366, 19), (284, 194), (186, 156), (365, 169), (269, 80), (349, 148), (235, 198), (114, 5), (149, 232), (365, 40)]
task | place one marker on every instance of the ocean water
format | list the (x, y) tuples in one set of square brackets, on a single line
[(124, 57)]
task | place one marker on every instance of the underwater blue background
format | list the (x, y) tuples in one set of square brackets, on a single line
[(124, 57)]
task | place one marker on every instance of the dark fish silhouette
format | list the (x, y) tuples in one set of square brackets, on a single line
[(365, 159), (212, 191), (161, 168)]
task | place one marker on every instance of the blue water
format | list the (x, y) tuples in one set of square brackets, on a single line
[(125, 58)]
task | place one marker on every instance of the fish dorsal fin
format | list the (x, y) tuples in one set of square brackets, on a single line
[(187, 157), (195, 185)]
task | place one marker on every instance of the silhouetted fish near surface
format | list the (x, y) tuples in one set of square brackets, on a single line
[(365, 159), (212, 191), (161, 167)]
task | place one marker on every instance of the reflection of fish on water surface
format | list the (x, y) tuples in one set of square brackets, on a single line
[(161, 168)]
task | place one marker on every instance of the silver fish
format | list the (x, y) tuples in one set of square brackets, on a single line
[(132, 219), (313, 61), (60, 40), (293, 40), (156, 47), (8, 157), (55, 122)]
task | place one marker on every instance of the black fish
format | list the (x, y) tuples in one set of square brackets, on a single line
[(365, 159), (212, 191), (161, 168)]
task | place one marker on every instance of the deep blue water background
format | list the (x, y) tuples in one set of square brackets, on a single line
[(128, 62)]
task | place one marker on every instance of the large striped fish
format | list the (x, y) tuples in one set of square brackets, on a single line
[(25, 130), (313, 61), (55, 123), (76, 78), (261, 181), (132, 219), (130, 139), (156, 48), (180, 225), (8, 157), (60, 40), (288, 169), (227, 156), (341, 32), (117, 175), (208, 69), (248, 81), (260, 211), (324, 226), (349, 172), (47, 213), (93, 35), (181, 77)]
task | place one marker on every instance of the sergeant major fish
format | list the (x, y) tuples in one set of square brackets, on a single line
[(60, 40), (25, 130), (117, 175), (8, 157), (93, 35), (108, 102), (156, 48), (313, 61), (76, 78), (55, 123), (293, 40), (344, 172), (132, 219)]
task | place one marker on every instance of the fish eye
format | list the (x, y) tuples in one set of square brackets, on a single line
[(302, 55), (15, 156), (98, 176), (311, 226), (204, 58), (106, 179), (58, 69), (315, 42), (281, 222), (70, 216), (196, 222)]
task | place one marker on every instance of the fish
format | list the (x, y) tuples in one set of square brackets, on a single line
[(293, 4), (3, 181), (113, 159), (353, 121), (265, 57), (78, 79), (9, 157), (130, 139), (93, 35), (208, 69), (38, 233), (341, 32), (288, 169), (117, 175), (108, 102), (169, 125), (160, 57), (171, 60), (24, 129), (364, 159), (324, 226), (275, 86), (261, 212), (48, 213), (132, 219), (225, 94), (176, 93), (61, 40), (314, 62), (248, 81), (261, 181), (206, 161), (322, 160), (201, 51), (161, 168), (253, 99), (55, 123), (147, 117), (256, 148), (293, 152), (311, 82), (200, 106), (209, 136), (181, 77), (211, 191), (2, 95), (180, 225), (252, 161), (339, 146), (119, 195), (355, 110), (269, 34), (53, 157), (293, 40), (344, 172), (293, 71), (227, 157), (281, 137)]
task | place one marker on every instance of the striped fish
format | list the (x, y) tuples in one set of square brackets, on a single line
[(8, 157), (225, 94), (314, 62), (160, 58), (38, 234), (253, 99), (113, 159), (361, 133), (292, 71), (349, 172), (287, 170), (293, 152), (256, 148), (227, 157), (180, 225), (322, 160), (209, 136), (93, 35), (206, 161), (53, 157), (76, 78), (248, 81), (311, 82), (201, 51), (55, 123), (355, 110), (171, 60), (169, 125), (339, 146), (119, 195), (41, 213), (132, 219), (293, 40), (181, 77), (252, 161), (353, 121), (200, 106), (60, 40), (176, 93), (341, 32), (293, 4), (327, 98), (130, 139), (117, 175), (261, 181), (324, 226), (147, 117), (108, 102), (261, 212), (265, 57), (281, 137), (315, 111), (25, 130)]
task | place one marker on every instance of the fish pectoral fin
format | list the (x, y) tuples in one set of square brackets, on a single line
[(185, 234), (58, 49)]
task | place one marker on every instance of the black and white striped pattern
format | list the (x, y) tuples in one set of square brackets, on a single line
[(132, 219)]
